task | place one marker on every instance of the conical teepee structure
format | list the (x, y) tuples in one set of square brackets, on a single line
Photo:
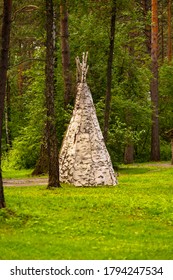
[(84, 159)]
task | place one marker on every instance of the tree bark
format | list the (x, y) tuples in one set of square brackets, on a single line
[(129, 147), (146, 7), (8, 115), (109, 72), (6, 26), (129, 153), (65, 50), (172, 151), (155, 143), (52, 144), (169, 31), (42, 166), (162, 23)]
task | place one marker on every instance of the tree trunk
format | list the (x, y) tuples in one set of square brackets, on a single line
[(169, 32), (129, 147), (8, 116), (155, 143), (6, 25), (162, 23), (129, 153), (172, 151), (65, 50), (42, 162), (146, 7), (109, 72), (52, 144)]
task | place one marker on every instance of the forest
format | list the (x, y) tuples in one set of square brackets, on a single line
[(129, 45), (86, 26)]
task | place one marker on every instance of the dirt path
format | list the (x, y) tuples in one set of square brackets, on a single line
[(25, 182)]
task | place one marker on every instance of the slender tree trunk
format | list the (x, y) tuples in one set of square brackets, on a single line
[(172, 150), (20, 72), (146, 7), (65, 52), (129, 153), (8, 115), (169, 32), (109, 72), (129, 147), (155, 143), (162, 33), (20, 79), (6, 25), (52, 144), (41, 166)]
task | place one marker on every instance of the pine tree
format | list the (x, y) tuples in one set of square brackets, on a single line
[(52, 144), (6, 26), (155, 143)]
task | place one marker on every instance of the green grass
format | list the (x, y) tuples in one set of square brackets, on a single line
[(133, 220), (16, 174)]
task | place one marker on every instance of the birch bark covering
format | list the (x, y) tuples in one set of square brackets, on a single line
[(84, 159)]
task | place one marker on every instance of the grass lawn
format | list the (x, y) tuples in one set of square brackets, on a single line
[(133, 220)]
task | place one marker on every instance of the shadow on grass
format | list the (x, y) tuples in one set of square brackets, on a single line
[(134, 170)]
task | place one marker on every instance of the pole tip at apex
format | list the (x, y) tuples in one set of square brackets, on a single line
[(82, 68)]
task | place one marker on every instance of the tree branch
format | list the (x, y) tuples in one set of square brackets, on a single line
[(27, 60)]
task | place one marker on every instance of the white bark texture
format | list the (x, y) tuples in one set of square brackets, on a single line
[(84, 159)]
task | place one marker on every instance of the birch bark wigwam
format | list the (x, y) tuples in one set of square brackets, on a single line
[(84, 159)]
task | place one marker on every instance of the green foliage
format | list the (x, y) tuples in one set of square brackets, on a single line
[(89, 30), (166, 98), (81, 39), (26, 143), (165, 150), (25, 150), (130, 109), (130, 221)]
